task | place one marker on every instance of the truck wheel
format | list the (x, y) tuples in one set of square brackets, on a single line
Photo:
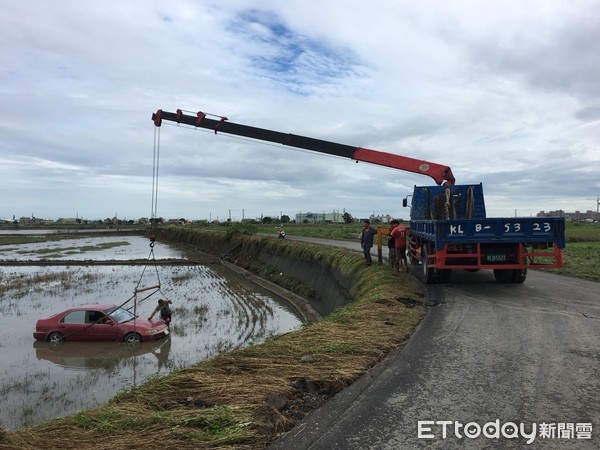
[(445, 275), (503, 275), (428, 274), (519, 276)]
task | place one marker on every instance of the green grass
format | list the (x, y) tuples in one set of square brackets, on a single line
[(582, 232), (582, 260)]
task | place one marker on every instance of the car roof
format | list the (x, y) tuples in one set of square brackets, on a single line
[(97, 306)]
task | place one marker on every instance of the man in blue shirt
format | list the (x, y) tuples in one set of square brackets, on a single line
[(366, 240)]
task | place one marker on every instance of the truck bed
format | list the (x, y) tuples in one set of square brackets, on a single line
[(491, 230)]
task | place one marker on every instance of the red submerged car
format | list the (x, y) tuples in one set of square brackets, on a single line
[(98, 323)]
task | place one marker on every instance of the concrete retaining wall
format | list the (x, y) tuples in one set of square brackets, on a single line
[(331, 287)]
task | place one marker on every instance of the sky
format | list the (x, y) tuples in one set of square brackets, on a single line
[(504, 92)]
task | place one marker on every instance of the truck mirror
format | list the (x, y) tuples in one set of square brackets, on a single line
[(404, 202)]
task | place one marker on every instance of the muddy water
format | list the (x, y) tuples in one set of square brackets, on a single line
[(213, 311)]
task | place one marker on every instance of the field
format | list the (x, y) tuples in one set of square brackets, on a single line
[(582, 254)]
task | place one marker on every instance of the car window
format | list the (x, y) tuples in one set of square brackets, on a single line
[(120, 315), (96, 317), (74, 317)]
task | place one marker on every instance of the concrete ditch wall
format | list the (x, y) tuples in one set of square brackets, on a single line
[(331, 287)]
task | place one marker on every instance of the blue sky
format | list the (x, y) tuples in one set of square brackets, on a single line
[(504, 92)]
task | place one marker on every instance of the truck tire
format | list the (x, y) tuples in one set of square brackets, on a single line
[(519, 276), (428, 274), (503, 275), (445, 275)]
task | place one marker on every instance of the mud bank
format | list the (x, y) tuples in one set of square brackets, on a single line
[(304, 269)]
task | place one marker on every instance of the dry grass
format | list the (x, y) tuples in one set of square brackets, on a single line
[(247, 398)]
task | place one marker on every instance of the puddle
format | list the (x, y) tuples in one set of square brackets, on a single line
[(213, 311)]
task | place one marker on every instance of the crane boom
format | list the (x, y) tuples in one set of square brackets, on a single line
[(440, 173)]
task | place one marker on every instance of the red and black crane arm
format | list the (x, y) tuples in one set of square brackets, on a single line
[(440, 173)]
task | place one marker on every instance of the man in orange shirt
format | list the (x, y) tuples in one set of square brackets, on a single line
[(399, 234)]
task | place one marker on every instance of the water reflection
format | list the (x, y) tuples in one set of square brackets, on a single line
[(99, 355)]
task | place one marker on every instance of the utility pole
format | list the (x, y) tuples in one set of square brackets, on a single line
[(597, 206)]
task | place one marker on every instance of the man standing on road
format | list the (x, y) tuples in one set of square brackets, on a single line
[(399, 233), (366, 240), (392, 245)]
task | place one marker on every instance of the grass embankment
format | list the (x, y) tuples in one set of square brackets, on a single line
[(246, 398), (581, 258)]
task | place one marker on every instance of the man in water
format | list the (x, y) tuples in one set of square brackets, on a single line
[(165, 311)]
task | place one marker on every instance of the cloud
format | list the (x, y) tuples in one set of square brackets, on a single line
[(588, 114), (503, 92)]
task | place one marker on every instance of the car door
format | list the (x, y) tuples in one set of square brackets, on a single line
[(73, 326), (101, 327)]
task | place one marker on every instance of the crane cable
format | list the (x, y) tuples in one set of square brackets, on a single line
[(153, 227), (153, 214), (155, 165)]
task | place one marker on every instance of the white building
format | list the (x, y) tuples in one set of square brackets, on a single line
[(310, 217)]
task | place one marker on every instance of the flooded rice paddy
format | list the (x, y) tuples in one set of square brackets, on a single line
[(213, 311)]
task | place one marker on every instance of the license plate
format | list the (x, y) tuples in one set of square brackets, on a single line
[(495, 258)]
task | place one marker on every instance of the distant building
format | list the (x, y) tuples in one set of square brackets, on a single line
[(577, 216), (310, 217), (32, 221), (381, 218)]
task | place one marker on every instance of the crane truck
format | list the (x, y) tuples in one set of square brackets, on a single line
[(449, 229)]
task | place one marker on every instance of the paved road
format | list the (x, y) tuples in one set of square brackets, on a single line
[(489, 353)]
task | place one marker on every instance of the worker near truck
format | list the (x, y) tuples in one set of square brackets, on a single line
[(392, 245), (366, 240), (399, 234)]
